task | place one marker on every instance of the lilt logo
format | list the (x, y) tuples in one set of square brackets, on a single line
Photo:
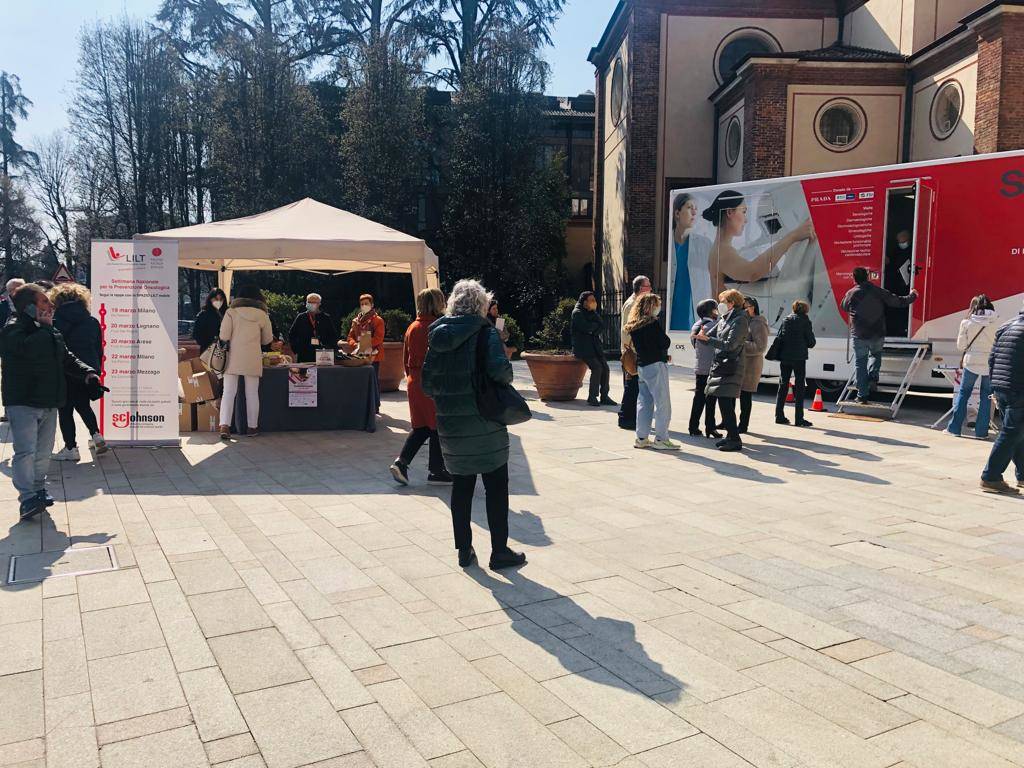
[(125, 258), (126, 419)]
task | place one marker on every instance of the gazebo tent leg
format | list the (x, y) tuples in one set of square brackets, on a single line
[(224, 280)]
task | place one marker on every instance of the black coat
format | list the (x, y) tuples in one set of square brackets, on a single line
[(36, 364), (1006, 361), (207, 326), (81, 332), (586, 333), (866, 304), (302, 333), (650, 342), (796, 336)]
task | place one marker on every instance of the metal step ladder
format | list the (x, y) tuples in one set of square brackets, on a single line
[(905, 358)]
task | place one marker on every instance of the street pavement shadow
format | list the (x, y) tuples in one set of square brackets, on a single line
[(890, 441), (597, 648), (720, 467), (802, 463), (808, 445)]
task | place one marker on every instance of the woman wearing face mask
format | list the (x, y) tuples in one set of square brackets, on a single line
[(728, 338), (753, 359), (975, 339), (312, 331), (207, 324), (728, 213), (651, 343), (707, 314), (369, 322), (586, 327)]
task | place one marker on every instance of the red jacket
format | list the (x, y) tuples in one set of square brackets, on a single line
[(374, 324), (421, 407)]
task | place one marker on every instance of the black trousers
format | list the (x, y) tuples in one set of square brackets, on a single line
[(630, 393), (702, 404), (728, 407), (746, 406), (78, 401), (798, 371), (599, 376), (415, 441), (496, 487)]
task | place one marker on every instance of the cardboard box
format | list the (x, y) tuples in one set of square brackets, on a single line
[(199, 387), (186, 417), (207, 416)]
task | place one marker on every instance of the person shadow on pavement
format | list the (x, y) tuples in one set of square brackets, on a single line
[(597, 648)]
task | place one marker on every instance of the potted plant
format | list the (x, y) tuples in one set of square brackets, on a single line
[(282, 309), (556, 373), (392, 367), (515, 340)]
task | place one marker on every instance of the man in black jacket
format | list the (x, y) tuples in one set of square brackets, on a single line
[(586, 328), (1006, 364), (35, 362), (866, 304), (312, 331)]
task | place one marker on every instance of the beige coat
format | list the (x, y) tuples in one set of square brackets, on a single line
[(753, 353), (627, 307), (246, 325)]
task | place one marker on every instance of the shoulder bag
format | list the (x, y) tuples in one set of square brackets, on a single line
[(215, 356), (496, 402), (629, 360), (968, 347)]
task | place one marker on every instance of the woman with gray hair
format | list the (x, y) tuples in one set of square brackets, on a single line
[(471, 444)]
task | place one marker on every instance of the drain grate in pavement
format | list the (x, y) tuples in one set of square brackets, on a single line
[(69, 562)]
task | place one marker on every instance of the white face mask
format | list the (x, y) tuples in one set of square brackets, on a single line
[(903, 246), (364, 308), (217, 303), (723, 309)]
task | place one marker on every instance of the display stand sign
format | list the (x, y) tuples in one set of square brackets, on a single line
[(135, 299), (302, 387)]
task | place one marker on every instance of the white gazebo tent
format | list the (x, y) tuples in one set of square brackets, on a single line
[(306, 235)]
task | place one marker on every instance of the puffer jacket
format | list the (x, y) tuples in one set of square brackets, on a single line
[(796, 336), (586, 333), (976, 336), (471, 444), (81, 332), (1006, 361), (36, 364), (246, 328), (753, 352), (704, 352), (728, 338)]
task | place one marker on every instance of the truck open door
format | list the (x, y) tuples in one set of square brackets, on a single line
[(923, 252)]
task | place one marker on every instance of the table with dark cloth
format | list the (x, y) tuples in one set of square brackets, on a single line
[(346, 399)]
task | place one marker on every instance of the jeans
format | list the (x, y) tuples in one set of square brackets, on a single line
[(1009, 444), (496, 488), (867, 372), (797, 370), (599, 375), (252, 399), (630, 393), (78, 401), (963, 396), (702, 403), (727, 405), (653, 402), (32, 432), (415, 441)]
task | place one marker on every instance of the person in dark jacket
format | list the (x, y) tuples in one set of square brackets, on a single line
[(471, 444), (1006, 364), (726, 378), (796, 337), (206, 327), (7, 313), (866, 304), (81, 332), (35, 364), (312, 331), (650, 342), (630, 384), (586, 327), (707, 318)]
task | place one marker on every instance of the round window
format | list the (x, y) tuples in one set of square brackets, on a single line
[(733, 141), (840, 125), (737, 46), (618, 95), (947, 108)]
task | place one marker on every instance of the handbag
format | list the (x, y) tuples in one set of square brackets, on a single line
[(215, 356), (496, 402), (773, 351), (629, 361), (726, 364)]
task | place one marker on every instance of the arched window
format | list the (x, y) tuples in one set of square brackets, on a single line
[(618, 94), (947, 109), (738, 45)]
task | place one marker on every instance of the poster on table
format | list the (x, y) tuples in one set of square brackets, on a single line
[(302, 387), (135, 299)]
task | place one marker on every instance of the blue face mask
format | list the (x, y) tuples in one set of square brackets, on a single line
[(314, 308)]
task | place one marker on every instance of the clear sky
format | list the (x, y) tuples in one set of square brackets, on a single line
[(38, 42)]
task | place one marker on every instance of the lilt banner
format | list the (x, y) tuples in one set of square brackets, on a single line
[(135, 299)]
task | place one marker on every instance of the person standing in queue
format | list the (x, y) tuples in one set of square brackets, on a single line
[(246, 328), (493, 313), (7, 311), (648, 337), (311, 331), (471, 444), (206, 327), (1006, 367), (975, 338), (726, 378), (586, 327), (422, 415), (753, 359), (369, 322), (796, 337), (707, 318), (630, 384)]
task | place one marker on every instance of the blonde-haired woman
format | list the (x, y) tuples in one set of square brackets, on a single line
[(81, 332), (726, 379), (422, 415), (651, 344)]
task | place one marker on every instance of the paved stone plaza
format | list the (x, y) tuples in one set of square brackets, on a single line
[(835, 597)]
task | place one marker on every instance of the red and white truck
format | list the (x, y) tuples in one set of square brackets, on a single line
[(951, 229)]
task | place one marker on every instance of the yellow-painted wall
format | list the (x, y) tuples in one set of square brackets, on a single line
[(887, 25), (614, 183), (924, 145)]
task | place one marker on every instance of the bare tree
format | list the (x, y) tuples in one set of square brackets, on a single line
[(53, 180)]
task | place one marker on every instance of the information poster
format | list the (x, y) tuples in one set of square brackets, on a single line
[(302, 387), (135, 299)]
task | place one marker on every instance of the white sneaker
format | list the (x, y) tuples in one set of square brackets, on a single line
[(67, 454), (664, 445), (638, 443), (99, 444)]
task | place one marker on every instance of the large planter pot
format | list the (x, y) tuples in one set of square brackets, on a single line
[(392, 367), (557, 377)]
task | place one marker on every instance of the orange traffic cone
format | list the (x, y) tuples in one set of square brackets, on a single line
[(791, 397), (818, 404)]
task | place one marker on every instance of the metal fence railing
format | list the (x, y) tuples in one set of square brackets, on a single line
[(610, 306)]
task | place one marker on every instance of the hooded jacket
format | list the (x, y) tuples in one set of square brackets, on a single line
[(1006, 361), (586, 327), (36, 364), (471, 444), (81, 332), (246, 326), (976, 336), (728, 338)]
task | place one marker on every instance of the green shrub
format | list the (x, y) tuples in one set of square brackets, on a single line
[(283, 309), (554, 334), (395, 323), (346, 324), (515, 333)]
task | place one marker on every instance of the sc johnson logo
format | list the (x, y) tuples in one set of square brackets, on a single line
[(127, 419), (116, 257)]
